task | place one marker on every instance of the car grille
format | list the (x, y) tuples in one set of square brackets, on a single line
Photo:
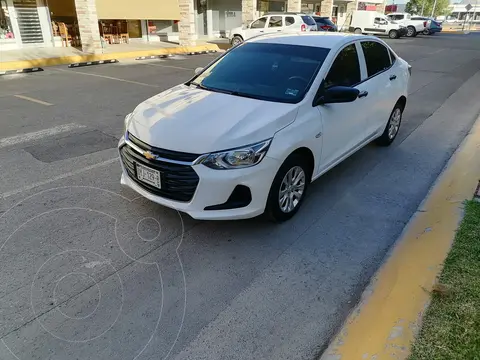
[(163, 153), (178, 181)]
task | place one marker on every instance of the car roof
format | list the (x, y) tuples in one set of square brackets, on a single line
[(328, 40)]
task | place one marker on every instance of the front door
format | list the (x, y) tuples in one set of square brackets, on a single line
[(257, 27), (344, 123), (275, 24), (380, 25)]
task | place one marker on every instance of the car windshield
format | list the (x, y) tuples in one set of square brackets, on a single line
[(271, 72), (308, 20)]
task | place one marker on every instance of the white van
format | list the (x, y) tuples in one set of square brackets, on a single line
[(372, 22)]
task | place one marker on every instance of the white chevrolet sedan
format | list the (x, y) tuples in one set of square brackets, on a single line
[(249, 132)]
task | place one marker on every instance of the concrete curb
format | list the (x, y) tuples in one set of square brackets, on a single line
[(387, 319), (23, 64), (20, 71)]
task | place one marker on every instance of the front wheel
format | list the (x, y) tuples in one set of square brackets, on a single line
[(237, 39), (411, 32), (288, 189), (393, 34), (426, 32), (393, 125)]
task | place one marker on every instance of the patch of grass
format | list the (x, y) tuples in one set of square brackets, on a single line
[(451, 326)]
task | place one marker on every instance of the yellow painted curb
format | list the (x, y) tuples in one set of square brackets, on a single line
[(385, 323), (23, 64)]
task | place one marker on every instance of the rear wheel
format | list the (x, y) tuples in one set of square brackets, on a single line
[(358, 31), (288, 189), (411, 32), (393, 125), (426, 32), (393, 34)]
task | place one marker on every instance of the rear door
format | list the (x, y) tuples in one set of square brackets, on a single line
[(275, 24), (381, 83)]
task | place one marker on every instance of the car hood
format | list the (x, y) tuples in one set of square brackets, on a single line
[(198, 121)]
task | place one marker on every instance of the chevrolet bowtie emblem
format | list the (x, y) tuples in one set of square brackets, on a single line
[(149, 155)]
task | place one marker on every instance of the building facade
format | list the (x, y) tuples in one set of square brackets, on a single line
[(91, 24)]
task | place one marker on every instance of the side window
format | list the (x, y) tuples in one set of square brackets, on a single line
[(376, 57), (377, 21), (259, 24), (275, 21), (391, 17), (408, 17), (289, 20), (399, 17), (345, 70)]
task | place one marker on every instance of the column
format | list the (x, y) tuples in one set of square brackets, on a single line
[(186, 26), (381, 7), (294, 6), (351, 7), (326, 7), (88, 26), (249, 11)]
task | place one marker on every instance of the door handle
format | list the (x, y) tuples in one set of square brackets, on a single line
[(261, 31), (393, 77), (363, 94), (279, 30)]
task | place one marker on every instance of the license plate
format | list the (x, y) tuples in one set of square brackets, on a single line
[(149, 176)]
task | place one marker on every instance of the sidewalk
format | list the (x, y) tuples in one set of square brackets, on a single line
[(40, 57), (387, 320)]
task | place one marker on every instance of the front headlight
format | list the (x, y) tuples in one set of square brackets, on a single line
[(126, 122), (238, 158)]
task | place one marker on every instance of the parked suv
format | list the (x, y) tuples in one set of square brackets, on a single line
[(273, 23), (414, 27)]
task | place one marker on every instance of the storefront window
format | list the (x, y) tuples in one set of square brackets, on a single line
[(271, 6), (6, 31)]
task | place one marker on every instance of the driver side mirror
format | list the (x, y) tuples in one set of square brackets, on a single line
[(337, 94), (198, 70)]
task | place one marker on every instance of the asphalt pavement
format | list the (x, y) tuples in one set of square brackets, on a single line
[(89, 270)]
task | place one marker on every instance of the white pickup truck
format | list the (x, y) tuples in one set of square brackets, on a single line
[(413, 26)]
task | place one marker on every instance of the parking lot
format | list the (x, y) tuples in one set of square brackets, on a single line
[(89, 270)]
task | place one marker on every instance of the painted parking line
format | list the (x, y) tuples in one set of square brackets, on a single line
[(108, 77), (59, 177), (169, 66), (23, 138), (28, 98)]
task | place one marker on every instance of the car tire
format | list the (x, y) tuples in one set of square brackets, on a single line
[(393, 34), (411, 32), (358, 31), (277, 210), (392, 127), (237, 40), (426, 32)]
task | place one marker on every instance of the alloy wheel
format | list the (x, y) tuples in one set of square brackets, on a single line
[(394, 123), (292, 189)]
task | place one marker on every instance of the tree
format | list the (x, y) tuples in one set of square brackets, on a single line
[(415, 7)]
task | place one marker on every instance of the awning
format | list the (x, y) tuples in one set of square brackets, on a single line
[(138, 9)]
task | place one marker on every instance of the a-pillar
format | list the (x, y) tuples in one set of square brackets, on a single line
[(326, 8), (249, 11), (88, 26), (186, 26), (294, 6)]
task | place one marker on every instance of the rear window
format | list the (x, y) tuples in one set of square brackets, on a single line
[(271, 72), (308, 20), (324, 21)]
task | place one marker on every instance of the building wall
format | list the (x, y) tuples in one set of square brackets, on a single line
[(226, 14)]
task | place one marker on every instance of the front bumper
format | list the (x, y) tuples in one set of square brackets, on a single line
[(214, 188)]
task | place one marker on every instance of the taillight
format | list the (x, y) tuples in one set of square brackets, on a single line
[(424, 24), (303, 27), (325, 27)]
